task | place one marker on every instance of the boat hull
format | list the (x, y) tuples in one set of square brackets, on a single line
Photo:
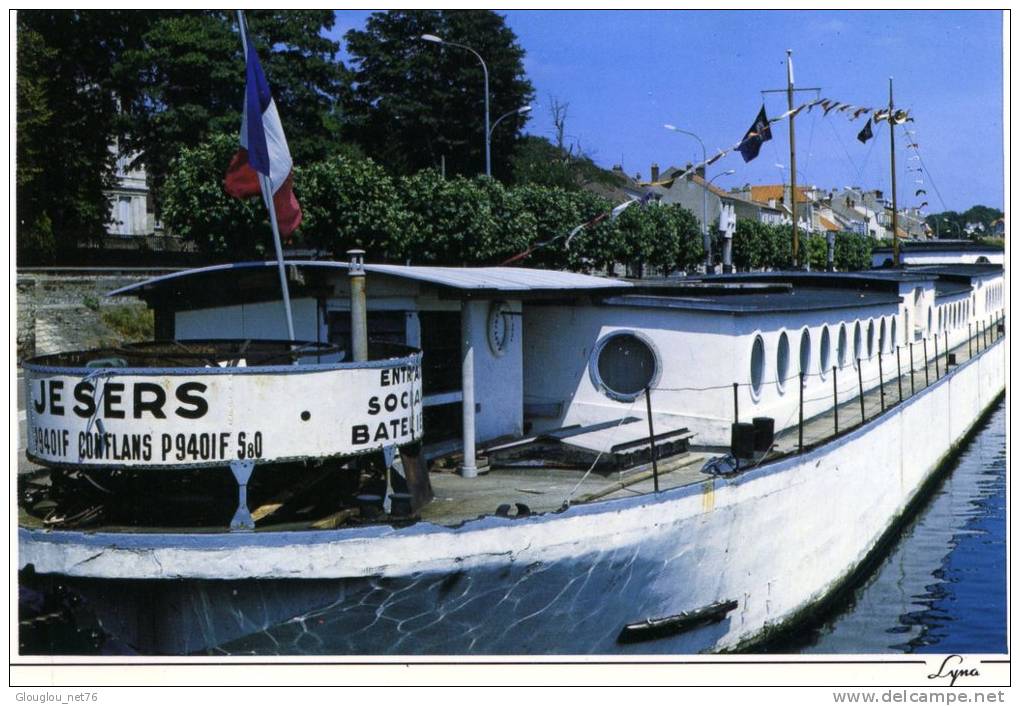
[(777, 539)]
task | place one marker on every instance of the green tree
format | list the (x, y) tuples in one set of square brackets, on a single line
[(196, 207), (537, 161), (351, 202), (852, 251), (185, 82), (66, 123), (418, 102)]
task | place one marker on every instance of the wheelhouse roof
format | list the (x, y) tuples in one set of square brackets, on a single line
[(463, 279)]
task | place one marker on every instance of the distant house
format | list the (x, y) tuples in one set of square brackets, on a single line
[(777, 196), (998, 228), (131, 212)]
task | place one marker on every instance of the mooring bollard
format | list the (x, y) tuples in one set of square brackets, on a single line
[(899, 373), (800, 420), (860, 387), (651, 439), (835, 402)]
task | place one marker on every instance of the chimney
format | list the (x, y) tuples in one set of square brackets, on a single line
[(655, 171)]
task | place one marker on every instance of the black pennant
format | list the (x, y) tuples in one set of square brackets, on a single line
[(865, 134), (756, 135)]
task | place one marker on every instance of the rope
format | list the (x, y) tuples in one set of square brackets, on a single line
[(609, 443)]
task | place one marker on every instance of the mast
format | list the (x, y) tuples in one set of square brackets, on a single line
[(793, 156), (892, 166)]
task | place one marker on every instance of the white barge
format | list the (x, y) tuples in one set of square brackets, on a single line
[(595, 507)]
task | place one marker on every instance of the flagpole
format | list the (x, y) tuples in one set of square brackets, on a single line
[(892, 165), (267, 196), (793, 156)]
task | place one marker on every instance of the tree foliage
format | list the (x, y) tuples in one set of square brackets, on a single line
[(185, 81), (416, 102), (759, 246)]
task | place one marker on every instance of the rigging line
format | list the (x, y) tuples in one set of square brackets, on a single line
[(853, 164), (925, 168), (594, 463)]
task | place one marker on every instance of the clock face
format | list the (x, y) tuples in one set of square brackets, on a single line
[(500, 327)]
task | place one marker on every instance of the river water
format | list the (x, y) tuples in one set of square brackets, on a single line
[(942, 587)]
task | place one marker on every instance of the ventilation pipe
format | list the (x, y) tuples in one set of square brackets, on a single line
[(359, 315)]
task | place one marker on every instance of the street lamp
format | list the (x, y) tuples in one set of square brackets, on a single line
[(519, 111), (704, 197), (728, 172), (485, 72)]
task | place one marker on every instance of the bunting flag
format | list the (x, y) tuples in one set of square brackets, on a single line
[(923, 204), (865, 134), (756, 136), (920, 191)]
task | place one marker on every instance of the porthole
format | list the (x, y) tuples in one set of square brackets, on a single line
[(882, 341), (782, 360), (805, 354), (892, 334), (623, 364), (824, 348), (929, 319), (871, 338), (757, 365), (858, 342), (841, 347)]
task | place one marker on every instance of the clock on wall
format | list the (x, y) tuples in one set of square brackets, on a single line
[(500, 327)]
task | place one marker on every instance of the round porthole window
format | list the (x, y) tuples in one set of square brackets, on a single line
[(841, 347), (782, 360), (805, 354), (824, 351), (623, 365), (757, 365)]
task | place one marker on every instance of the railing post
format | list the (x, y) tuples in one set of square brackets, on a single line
[(984, 336), (835, 402), (911, 368), (736, 405), (925, 342), (935, 338), (970, 353), (881, 382), (800, 420), (651, 439), (860, 387), (899, 373)]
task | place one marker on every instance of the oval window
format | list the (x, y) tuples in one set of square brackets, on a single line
[(782, 360), (805, 354), (824, 347), (871, 338), (858, 342), (757, 364), (841, 347), (624, 365), (882, 343), (892, 334)]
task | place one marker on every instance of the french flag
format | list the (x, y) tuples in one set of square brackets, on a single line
[(263, 150)]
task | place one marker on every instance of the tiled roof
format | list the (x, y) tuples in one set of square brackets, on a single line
[(768, 192)]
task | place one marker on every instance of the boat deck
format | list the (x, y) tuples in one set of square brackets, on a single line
[(540, 489)]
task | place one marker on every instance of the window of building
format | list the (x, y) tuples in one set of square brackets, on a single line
[(624, 365)]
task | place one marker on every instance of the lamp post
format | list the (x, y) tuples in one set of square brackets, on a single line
[(485, 72), (704, 198), (520, 111)]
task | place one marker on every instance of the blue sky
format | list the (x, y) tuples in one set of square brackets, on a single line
[(626, 73)]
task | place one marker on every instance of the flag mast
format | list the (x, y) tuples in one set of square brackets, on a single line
[(793, 156), (892, 166), (267, 196)]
